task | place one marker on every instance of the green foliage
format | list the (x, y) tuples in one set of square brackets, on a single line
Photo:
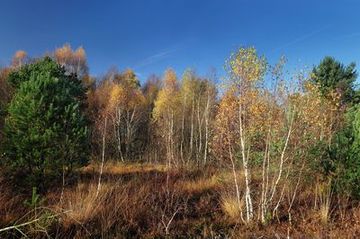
[(350, 154), (320, 160), (32, 70), (45, 129), (35, 199), (340, 161), (332, 75)]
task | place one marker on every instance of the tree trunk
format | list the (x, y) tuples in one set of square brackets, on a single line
[(249, 208), (237, 190), (102, 156)]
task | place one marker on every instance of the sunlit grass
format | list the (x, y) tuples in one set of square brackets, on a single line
[(117, 167)]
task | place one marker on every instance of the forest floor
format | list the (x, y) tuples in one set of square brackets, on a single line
[(147, 201)]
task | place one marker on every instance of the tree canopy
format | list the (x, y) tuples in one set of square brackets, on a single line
[(331, 75)]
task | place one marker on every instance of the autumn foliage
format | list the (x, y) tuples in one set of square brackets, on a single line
[(253, 148)]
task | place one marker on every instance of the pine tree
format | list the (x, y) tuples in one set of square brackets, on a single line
[(332, 75), (46, 132)]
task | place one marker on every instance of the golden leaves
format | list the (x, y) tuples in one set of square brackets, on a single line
[(245, 66), (244, 106), (170, 81), (168, 100), (113, 95), (317, 115), (116, 96)]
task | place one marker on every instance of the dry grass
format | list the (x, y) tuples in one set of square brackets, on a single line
[(231, 207), (9, 203), (81, 203), (324, 195), (147, 201), (127, 202), (202, 184), (117, 168)]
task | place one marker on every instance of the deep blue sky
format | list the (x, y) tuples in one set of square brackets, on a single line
[(151, 35)]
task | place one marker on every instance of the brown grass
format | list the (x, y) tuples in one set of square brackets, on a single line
[(118, 168), (139, 201), (9, 203), (202, 184)]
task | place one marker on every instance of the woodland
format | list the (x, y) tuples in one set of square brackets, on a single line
[(262, 152)]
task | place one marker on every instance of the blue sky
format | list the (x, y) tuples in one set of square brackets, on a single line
[(152, 35)]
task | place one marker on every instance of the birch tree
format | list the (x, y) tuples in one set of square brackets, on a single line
[(74, 61), (165, 114), (121, 100), (197, 113), (246, 69)]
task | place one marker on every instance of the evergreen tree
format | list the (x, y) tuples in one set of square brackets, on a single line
[(46, 132), (332, 75), (341, 162)]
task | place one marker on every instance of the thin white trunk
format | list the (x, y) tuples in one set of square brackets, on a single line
[(262, 206), (281, 162), (192, 129), (182, 130), (206, 128), (102, 157), (199, 131), (119, 115), (248, 202), (172, 137), (237, 190)]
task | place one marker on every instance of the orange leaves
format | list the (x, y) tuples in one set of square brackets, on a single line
[(258, 114), (62, 53), (74, 61), (317, 115), (66, 53), (80, 53), (226, 122), (19, 58)]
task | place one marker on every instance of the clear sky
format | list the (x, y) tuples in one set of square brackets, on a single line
[(151, 35)]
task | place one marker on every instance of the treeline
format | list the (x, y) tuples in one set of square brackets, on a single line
[(278, 130)]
